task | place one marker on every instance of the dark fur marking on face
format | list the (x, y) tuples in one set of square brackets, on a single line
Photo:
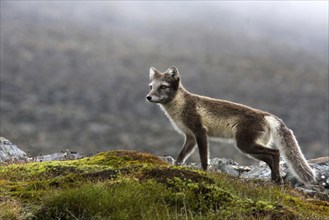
[(165, 86)]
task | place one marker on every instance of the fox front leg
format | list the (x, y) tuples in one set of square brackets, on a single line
[(202, 141), (187, 149)]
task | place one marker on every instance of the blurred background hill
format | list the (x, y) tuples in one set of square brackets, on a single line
[(75, 74)]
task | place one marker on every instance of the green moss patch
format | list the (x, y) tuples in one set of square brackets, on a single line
[(120, 159), (165, 174)]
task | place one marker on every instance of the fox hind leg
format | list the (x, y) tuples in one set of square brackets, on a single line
[(246, 142), (272, 161)]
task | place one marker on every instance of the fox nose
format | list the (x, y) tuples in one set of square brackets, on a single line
[(149, 97)]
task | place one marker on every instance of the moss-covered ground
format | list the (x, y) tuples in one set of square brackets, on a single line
[(134, 185)]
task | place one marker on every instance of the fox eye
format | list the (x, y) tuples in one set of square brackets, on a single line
[(150, 87), (163, 87)]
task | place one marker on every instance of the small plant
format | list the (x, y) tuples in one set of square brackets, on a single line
[(10, 209), (121, 200)]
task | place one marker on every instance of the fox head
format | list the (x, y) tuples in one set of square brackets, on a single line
[(163, 86)]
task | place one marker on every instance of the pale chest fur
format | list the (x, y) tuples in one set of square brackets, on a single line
[(174, 112)]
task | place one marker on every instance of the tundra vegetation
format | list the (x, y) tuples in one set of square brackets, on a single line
[(135, 185)]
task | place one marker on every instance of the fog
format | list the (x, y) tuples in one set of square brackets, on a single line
[(304, 23)]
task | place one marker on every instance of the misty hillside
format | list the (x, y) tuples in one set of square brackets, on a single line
[(75, 74)]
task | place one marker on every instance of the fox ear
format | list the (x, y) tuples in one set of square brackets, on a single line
[(173, 71), (153, 72)]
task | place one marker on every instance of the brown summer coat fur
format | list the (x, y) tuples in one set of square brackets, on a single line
[(200, 118)]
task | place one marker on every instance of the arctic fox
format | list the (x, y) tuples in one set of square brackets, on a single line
[(200, 118)]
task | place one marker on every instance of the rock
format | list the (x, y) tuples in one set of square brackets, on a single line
[(320, 160), (65, 155), (224, 165), (168, 159), (262, 171), (10, 152), (321, 166)]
